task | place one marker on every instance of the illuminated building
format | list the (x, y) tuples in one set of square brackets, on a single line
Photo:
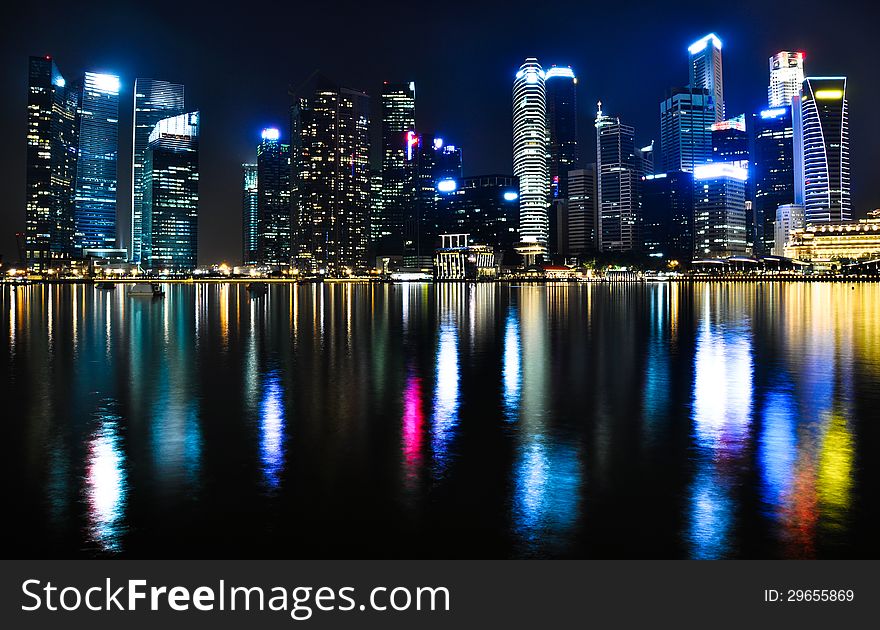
[(530, 153), (730, 142), (171, 194), (96, 164), (826, 243), (50, 167), (273, 199), (789, 217), (720, 210), (332, 216), (822, 137), (560, 86), (399, 144), (250, 213), (772, 171), (153, 101), (705, 71), (579, 236), (686, 115), (786, 78), (668, 214), (620, 167), (457, 259), (486, 207)]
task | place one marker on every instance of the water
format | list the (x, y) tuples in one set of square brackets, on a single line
[(732, 420)]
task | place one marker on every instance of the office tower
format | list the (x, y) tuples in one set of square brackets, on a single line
[(273, 200), (620, 167), (786, 78), (705, 67), (332, 220), (772, 171), (250, 214), (530, 152), (720, 210), (822, 137), (789, 216), (171, 194), (686, 115), (375, 220), (399, 144), (730, 142), (96, 164), (580, 213), (154, 100), (668, 214), (560, 86), (51, 167), (485, 207), (436, 162)]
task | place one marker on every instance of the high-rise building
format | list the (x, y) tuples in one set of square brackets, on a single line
[(772, 171), (580, 236), (332, 218), (620, 167), (668, 214), (399, 147), (720, 210), (786, 78), (96, 164), (436, 162), (789, 216), (705, 70), (273, 199), (485, 207), (686, 115), (823, 141), (171, 194), (530, 152), (51, 167), (250, 214), (154, 100), (560, 85), (730, 142)]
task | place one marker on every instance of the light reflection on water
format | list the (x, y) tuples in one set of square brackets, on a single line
[(106, 483)]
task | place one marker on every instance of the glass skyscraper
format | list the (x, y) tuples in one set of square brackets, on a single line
[(668, 214), (154, 100), (561, 90), (171, 194), (273, 199), (250, 213), (96, 165), (686, 116), (51, 167), (786, 78), (720, 210), (531, 164), (579, 235), (772, 171), (705, 71), (399, 146)]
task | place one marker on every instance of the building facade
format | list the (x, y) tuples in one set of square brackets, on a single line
[(399, 147), (786, 78), (686, 115), (789, 217), (668, 214), (706, 73), (273, 200), (720, 210), (772, 171), (250, 214), (580, 235)]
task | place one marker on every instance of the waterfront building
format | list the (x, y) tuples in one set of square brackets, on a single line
[(171, 194), (250, 214), (154, 100), (771, 170), (458, 259), (789, 217), (720, 210), (580, 219), (273, 200), (531, 163), (835, 242), (822, 139), (705, 71), (560, 85), (50, 167), (399, 146), (686, 117), (786, 78), (668, 214), (332, 215), (96, 164)]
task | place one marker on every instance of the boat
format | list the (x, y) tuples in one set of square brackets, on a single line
[(257, 289), (108, 286), (151, 289)]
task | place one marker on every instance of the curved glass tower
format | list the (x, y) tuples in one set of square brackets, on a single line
[(530, 152)]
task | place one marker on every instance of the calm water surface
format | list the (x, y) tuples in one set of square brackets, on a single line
[(674, 421)]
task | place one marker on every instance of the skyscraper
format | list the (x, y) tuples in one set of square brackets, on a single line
[(786, 78), (580, 212), (772, 171), (154, 100), (399, 145), (720, 210), (686, 116), (96, 165), (620, 167), (51, 166), (560, 87), (705, 71), (171, 194), (530, 152), (250, 214), (273, 199), (331, 222), (668, 214), (730, 142), (824, 143), (437, 162)]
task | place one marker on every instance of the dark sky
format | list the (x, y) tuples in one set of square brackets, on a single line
[(237, 61)]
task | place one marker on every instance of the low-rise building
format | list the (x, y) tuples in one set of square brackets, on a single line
[(833, 242), (456, 259)]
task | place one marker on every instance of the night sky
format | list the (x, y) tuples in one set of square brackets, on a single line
[(237, 62)]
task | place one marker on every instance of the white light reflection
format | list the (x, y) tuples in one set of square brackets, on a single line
[(106, 484), (445, 393), (512, 369), (272, 431)]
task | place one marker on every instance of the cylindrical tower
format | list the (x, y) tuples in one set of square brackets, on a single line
[(530, 152)]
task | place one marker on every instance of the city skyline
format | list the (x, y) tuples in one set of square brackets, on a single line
[(486, 150)]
